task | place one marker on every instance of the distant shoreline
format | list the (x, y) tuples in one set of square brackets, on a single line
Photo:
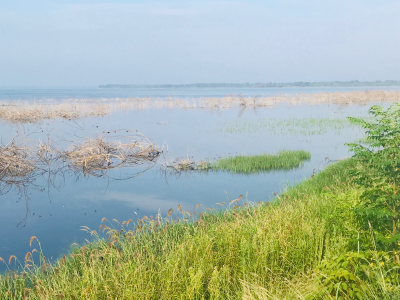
[(353, 83)]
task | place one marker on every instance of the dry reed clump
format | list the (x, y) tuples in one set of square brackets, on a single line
[(15, 162), (80, 108), (182, 165), (22, 161), (340, 98), (96, 155), (24, 112)]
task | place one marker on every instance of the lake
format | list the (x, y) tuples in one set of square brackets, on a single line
[(54, 209)]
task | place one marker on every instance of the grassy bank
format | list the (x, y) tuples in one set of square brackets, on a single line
[(283, 160), (222, 255)]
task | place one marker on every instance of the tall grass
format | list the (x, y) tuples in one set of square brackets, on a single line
[(283, 160), (214, 256)]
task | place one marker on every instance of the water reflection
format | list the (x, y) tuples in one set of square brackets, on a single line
[(43, 168)]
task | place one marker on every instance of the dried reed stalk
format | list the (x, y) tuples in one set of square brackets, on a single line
[(182, 165), (16, 162), (96, 155)]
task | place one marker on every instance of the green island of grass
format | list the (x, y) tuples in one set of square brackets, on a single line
[(333, 236), (283, 160)]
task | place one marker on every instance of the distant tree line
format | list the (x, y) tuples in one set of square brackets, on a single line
[(353, 83)]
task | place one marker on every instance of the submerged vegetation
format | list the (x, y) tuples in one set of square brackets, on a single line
[(333, 236), (292, 126), (283, 160), (23, 112)]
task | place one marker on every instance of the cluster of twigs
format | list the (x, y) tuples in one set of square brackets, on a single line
[(97, 155), (16, 162)]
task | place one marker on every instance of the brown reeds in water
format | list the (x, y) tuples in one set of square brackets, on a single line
[(16, 162), (22, 112), (23, 160), (184, 165), (97, 155)]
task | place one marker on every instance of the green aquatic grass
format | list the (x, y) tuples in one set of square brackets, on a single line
[(293, 126), (283, 160)]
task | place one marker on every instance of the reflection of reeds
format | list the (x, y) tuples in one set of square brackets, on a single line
[(20, 164), (79, 108), (96, 155), (23, 161)]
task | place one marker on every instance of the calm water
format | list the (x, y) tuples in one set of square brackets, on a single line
[(54, 212)]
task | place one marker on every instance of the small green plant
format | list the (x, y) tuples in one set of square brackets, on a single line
[(379, 174)]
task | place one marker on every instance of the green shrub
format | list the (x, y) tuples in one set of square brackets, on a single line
[(379, 173), (357, 275)]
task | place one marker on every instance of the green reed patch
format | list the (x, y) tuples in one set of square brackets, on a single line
[(283, 160)]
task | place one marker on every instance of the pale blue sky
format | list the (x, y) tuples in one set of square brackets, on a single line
[(83, 43)]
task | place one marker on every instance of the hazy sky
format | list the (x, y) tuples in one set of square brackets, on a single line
[(84, 43)]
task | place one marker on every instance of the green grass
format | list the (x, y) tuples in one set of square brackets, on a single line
[(283, 160), (246, 251)]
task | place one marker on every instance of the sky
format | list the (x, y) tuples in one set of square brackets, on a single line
[(92, 42)]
